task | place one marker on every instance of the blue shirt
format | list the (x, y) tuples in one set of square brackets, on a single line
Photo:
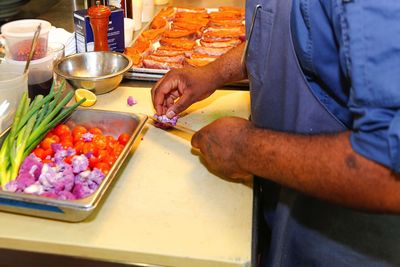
[(350, 54)]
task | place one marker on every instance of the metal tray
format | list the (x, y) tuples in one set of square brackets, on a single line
[(144, 74), (111, 123), (154, 75)]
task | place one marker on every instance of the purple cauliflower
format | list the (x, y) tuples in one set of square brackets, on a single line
[(56, 179), (87, 182), (60, 153), (29, 173), (87, 137), (65, 195), (80, 163)]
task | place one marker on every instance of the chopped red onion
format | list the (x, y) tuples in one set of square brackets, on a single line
[(165, 120), (131, 101)]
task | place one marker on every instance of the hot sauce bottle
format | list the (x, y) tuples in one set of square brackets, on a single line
[(99, 18)]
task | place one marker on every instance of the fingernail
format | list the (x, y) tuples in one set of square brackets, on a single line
[(170, 114)]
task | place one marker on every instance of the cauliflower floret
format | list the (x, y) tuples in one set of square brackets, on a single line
[(56, 179), (87, 182), (29, 173), (79, 163)]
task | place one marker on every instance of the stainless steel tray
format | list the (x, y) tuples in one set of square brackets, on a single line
[(111, 123), (146, 74), (154, 75)]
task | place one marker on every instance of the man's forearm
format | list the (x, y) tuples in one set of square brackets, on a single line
[(323, 166), (228, 68)]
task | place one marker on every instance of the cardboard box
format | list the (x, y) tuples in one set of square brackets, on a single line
[(84, 34)]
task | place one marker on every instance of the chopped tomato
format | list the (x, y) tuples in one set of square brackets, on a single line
[(68, 138), (68, 159), (118, 149), (123, 138), (111, 141), (89, 147), (55, 138), (107, 157), (67, 144), (50, 134), (100, 141), (102, 154), (78, 137), (104, 167), (110, 138), (110, 149), (93, 160), (62, 130), (78, 146), (77, 132), (79, 129), (39, 152), (48, 153), (95, 130), (46, 143), (110, 159)]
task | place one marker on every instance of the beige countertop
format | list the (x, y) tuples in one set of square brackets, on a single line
[(165, 208)]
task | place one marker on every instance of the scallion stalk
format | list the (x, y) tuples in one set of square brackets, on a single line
[(36, 133), (21, 145), (31, 123)]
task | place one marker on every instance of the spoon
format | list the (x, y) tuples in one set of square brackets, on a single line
[(3, 112), (33, 47)]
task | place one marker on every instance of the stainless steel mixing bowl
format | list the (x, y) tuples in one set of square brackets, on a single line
[(99, 72)]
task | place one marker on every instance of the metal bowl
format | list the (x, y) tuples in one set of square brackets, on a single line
[(99, 72)]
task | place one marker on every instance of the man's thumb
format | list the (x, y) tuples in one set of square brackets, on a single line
[(180, 105)]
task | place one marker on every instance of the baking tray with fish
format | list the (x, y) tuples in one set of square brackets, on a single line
[(150, 74), (111, 123)]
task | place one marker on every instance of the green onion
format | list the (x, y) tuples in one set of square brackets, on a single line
[(21, 144), (32, 121), (36, 133)]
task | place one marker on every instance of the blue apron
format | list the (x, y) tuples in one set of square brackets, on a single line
[(294, 229)]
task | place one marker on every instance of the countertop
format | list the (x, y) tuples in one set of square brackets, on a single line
[(165, 208)]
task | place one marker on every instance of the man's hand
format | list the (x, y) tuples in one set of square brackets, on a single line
[(180, 88), (220, 144)]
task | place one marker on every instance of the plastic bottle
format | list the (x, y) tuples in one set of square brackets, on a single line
[(148, 10), (99, 17), (137, 8)]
